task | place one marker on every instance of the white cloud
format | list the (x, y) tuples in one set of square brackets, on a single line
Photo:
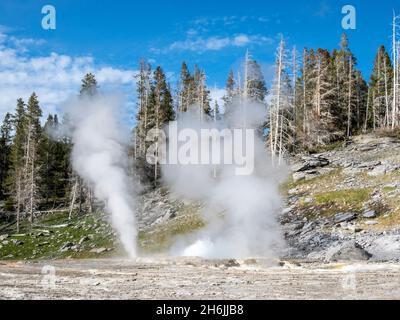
[(54, 77), (241, 40), (216, 43)]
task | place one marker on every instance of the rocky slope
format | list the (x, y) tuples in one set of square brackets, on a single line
[(344, 204), (161, 216)]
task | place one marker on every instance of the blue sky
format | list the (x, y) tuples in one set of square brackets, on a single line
[(109, 37)]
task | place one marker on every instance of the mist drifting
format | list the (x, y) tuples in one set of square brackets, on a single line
[(240, 210)]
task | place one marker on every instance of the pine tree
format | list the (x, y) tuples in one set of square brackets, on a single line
[(142, 116), (157, 110), (16, 177), (193, 92), (89, 85), (323, 99), (216, 115), (380, 89), (186, 89), (230, 91), (201, 94), (31, 168), (162, 106), (254, 84), (163, 99), (5, 150), (81, 192), (345, 63), (53, 168)]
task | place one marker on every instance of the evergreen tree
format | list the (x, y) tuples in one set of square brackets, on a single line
[(381, 83), (31, 168), (16, 177), (201, 94), (81, 192), (186, 89), (192, 91), (53, 169), (322, 120), (142, 116), (5, 150), (161, 106), (346, 93), (216, 115), (156, 112), (230, 91), (255, 88), (164, 110), (89, 85)]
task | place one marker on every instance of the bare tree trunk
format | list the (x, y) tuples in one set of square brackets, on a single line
[(158, 102), (395, 72), (278, 98), (281, 143), (304, 94), (32, 187), (294, 53), (373, 112), (386, 121), (318, 89), (18, 196), (349, 101), (90, 200), (366, 110), (71, 207)]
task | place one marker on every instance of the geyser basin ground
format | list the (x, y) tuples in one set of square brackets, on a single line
[(194, 278)]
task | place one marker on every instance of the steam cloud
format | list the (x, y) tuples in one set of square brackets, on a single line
[(99, 156), (241, 210)]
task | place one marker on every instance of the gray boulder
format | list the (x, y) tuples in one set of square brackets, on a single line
[(369, 214), (349, 251), (66, 246), (344, 217), (311, 162), (3, 237)]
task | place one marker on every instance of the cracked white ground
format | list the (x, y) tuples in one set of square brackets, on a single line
[(194, 278)]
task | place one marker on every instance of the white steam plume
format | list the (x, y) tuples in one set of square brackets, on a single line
[(99, 156), (241, 211)]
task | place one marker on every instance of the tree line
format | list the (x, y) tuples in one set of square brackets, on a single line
[(35, 166), (317, 97)]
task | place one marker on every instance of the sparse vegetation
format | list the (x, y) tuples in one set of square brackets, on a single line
[(160, 237), (47, 236), (352, 199)]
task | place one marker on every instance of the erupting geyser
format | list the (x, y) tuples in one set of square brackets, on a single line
[(99, 156), (240, 210)]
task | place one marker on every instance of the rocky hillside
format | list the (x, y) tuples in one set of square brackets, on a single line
[(54, 235), (342, 204)]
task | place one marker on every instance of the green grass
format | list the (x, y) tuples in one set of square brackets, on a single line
[(350, 197), (160, 237), (28, 245), (329, 147), (323, 179), (36, 244), (329, 203), (389, 188)]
